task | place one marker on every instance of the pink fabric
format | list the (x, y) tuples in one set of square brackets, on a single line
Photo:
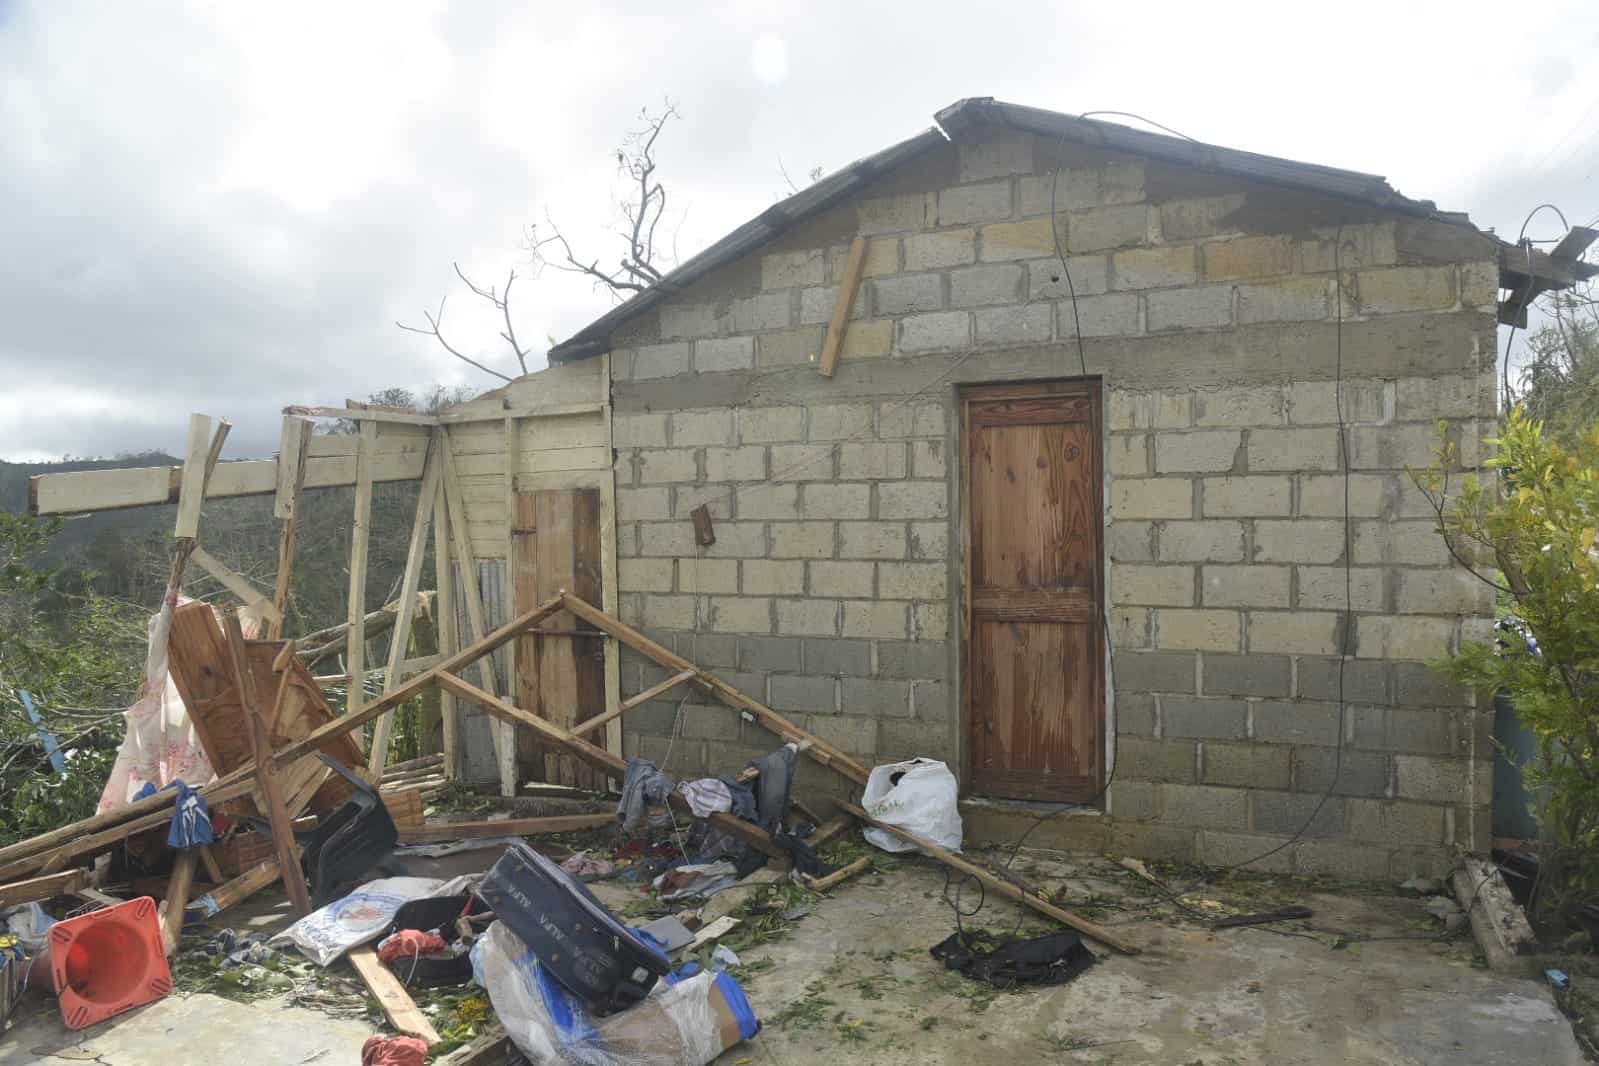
[(160, 745), (393, 1051)]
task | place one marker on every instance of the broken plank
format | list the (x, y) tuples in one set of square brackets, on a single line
[(843, 873), (237, 890), (293, 453), (397, 1004), (995, 884), (192, 493), (849, 285), (711, 932), (512, 827), (362, 414), (237, 584), (49, 886), (360, 541), (177, 898)]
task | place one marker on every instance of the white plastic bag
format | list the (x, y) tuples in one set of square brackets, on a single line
[(325, 934), (924, 801)]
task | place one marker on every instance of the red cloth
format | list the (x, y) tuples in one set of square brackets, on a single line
[(407, 944), (393, 1051)]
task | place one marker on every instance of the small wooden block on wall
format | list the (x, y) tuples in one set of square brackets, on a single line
[(704, 532)]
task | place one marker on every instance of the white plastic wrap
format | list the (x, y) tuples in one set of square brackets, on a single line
[(684, 1024), (925, 801)]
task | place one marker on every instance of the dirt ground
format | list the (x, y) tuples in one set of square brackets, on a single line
[(1366, 981)]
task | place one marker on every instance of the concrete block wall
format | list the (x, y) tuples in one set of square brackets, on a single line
[(1208, 307)]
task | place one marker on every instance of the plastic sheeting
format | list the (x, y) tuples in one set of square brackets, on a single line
[(918, 795)]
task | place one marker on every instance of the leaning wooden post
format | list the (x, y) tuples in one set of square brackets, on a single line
[(445, 625), (360, 528), (293, 453)]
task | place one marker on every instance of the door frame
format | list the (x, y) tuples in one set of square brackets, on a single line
[(1094, 387)]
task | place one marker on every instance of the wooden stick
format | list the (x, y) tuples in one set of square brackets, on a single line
[(49, 886), (191, 494), (825, 832), (237, 584), (177, 898), (397, 1004), (843, 873), (360, 540), (1003, 888), (213, 869), (820, 750), (445, 627), (510, 448), (465, 657), (420, 763), (314, 647), (378, 754), (239, 889), (293, 456), (266, 780), (848, 285), (642, 698), (510, 827)]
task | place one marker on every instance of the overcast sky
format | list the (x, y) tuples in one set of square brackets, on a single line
[(225, 207)]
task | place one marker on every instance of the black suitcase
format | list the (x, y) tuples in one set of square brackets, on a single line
[(570, 932)]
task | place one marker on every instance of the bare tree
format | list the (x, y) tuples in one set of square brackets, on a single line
[(639, 267)]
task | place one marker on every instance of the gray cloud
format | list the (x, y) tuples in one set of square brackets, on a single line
[(226, 210)]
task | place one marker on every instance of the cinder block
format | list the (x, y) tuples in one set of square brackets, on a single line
[(1245, 675), (1454, 591), (1298, 814), (739, 614), (1060, 190), (802, 462), (883, 621), (940, 249), (644, 575), (927, 459), (929, 541), (930, 700), (872, 540), (1131, 800), (868, 340), (660, 361), (724, 353), (1243, 405), (929, 621), (1382, 292), (1197, 630), (824, 500), (1249, 257), (1367, 245), (817, 695), (710, 576), (1204, 307), (666, 538), (816, 305), (713, 651), (690, 320), (1441, 780), (1210, 541), (1262, 854), (981, 286), (1150, 410), (769, 501), (1089, 275), (1018, 240), (1287, 300), (718, 499), (634, 505), (915, 660), (1131, 628), (1182, 716), (899, 418), (1013, 325), (735, 540), (1282, 722), (802, 540), (894, 214), (1204, 216), (808, 618), (840, 421), (1131, 542), (1205, 806), (768, 654), (1135, 714), (1423, 732), (1111, 315), (1299, 540), (1246, 497), (881, 699), (840, 579), (1364, 681), (994, 152), (638, 431), (761, 425), (935, 332), (669, 612), (1405, 446), (1293, 450), (1154, 268), (912, 499), (984, 202), (1153, 671), (763, 577), (1331, 588), (1429, 399), (761, 312), (912, 581), (1322, 495), (747, 463), (1106, 227), (1128, 455), (1360, 862), (1169, 843), (1141, 759), (793, 347), (1395, 823), (1294, 632), (1245, 765), (908, 294), (1244, 585), (1401, 543), (1153, 498), (1154, 586), (874, 460), (690, 428), (902, 738), (784, 270), (838, 657), (1421, 685), (1313, 403)]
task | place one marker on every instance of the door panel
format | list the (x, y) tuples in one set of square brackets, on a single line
[(1034, 639)]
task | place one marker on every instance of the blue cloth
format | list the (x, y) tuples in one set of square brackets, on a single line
[(146, 790), (191, 825)]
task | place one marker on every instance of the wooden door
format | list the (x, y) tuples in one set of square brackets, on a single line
[(1033, 637), (555, 545)]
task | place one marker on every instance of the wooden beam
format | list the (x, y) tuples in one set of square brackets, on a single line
[(397, 1004), (239, 889), (192, 493), (265, 778), (838, 876), (556, 410), (237, 584), (848, 285), (445, 627), (819, 750), (999, 886), (637, 701), (399, 643), (608, 567), (465, 657), (360, 541), (510, 447), (511, 827), (362, 414), (293, 451), (35, 889), (177, 897)]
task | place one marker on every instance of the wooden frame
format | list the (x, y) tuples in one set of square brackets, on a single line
[(1092, 389)]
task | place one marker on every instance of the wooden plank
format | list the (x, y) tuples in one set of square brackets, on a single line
[(465, 657), (711, 932), (177, 897), (398, 1006), (362, 414), (360, 541), (554, 565), (192, 493), (293, 454), (1000, 887), (446, 628), (238, 889), (511, 827), (658, 689), (608, 569), (265, 777), (838, 876), (47, 887), (472, 595), (819, 750), (554, 410), (509, 752), (213, 869), (412, 577), (848, 286), (237, 584)]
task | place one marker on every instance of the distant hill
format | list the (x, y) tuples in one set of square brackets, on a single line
[(79, 532)]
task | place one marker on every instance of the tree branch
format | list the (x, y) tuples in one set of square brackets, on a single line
[(433, 331)]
